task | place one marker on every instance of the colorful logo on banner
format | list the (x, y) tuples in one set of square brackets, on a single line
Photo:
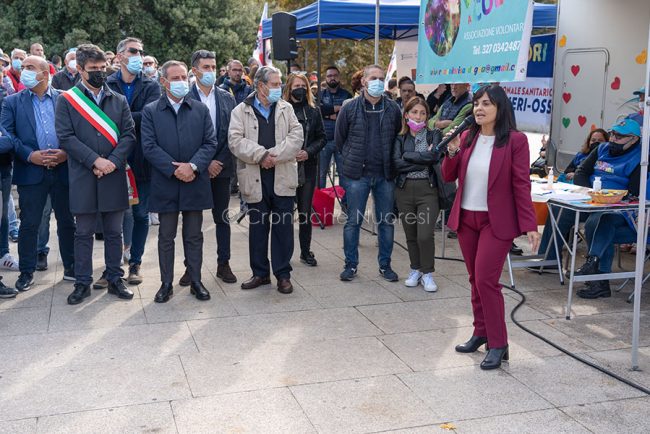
[(473, 40)]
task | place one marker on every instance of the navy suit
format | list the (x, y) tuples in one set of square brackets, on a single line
[(220, 185), (35, 183)]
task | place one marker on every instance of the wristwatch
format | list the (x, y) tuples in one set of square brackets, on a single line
[(194, 168)]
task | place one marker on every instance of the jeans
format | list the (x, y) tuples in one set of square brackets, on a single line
[(324, 160), (32, 202), (605, 231), (140, 223), (5, 181), (357, 193), (564, 223), (127, 228), (14, 221), (44, 228)]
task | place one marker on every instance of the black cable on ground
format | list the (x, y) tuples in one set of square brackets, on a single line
[(527, 330), (567, 352)]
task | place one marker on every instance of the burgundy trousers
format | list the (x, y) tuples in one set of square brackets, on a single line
[(484, 257)]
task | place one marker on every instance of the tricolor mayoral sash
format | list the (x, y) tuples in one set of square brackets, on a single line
[(104, 125)]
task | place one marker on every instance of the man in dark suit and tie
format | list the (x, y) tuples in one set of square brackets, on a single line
[(179, 141), (94, 126), (220, 103), (40, 168)]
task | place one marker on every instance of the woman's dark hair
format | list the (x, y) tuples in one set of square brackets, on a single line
[(586, 147), (505, 121)]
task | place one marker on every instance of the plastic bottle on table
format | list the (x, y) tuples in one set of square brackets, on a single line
[(597, 184), (549, 179)]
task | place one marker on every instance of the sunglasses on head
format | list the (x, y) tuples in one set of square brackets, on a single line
[(132, 50)]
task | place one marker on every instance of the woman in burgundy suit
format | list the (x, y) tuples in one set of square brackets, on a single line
[(492, 208)]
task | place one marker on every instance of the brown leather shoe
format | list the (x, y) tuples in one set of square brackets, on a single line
[(225, 273), (285, 286), (256, 281), (185, 279)]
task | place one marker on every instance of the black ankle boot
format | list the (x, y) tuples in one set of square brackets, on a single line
[(589, 267), (494, 358), (472, 344), (597, 289)]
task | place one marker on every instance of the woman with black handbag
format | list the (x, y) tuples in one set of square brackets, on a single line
[(296, 92), (420, 191)]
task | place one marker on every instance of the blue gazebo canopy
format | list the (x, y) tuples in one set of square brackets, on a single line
[(355, 19)]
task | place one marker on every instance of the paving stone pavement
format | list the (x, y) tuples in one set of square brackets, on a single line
[(333, 357)]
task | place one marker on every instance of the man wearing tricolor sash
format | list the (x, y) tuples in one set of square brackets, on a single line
[(94, 126)]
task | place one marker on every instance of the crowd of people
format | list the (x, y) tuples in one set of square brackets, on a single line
[(114, 142)]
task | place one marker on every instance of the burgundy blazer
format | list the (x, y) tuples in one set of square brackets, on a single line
[(510, 207)]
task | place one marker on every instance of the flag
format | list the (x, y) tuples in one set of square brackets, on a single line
[(263, 55), (392, 67)]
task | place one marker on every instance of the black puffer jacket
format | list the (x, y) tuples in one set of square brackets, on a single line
[(351, 130), (314, 132)]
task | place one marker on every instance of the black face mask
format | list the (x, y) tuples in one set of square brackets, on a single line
[(96, 78), (333, 84), (616, 149), (299, 94)]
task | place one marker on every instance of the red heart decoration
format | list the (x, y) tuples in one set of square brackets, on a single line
[(616, 84), (566, 96), (582, 120), (575, 69)]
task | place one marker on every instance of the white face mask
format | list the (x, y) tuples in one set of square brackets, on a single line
[(72, 65)]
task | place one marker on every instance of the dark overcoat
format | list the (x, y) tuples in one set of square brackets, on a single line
[(84, 144), (186, 137)]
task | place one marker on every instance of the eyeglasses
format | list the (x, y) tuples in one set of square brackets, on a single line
[(133, 50)]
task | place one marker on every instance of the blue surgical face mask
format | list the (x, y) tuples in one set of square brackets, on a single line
[(149, 71), (134, 65), (17, 64), (208, 78), (376, 88), (28, 78), (274, 95), (179, 88)]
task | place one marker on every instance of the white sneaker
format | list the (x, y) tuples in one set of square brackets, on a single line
[(414, 279), (428, 282), (8, 262)]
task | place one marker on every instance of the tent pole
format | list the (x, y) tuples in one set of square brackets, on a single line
[(377, 33), (318, 64), (641, 225)]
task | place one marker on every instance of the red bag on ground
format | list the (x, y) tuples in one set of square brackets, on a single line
[(323, 204)]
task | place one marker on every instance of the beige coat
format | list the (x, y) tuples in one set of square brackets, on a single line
[(243, 143)]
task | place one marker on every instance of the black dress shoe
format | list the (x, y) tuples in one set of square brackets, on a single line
[(285, 286), (119, 288), (185, 279), (471, 345), (25, 281), (225, 273), (165, 292), (198, 290), (80, 292), (494, 357), (309, 259), (41, 262), (256, 281)]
